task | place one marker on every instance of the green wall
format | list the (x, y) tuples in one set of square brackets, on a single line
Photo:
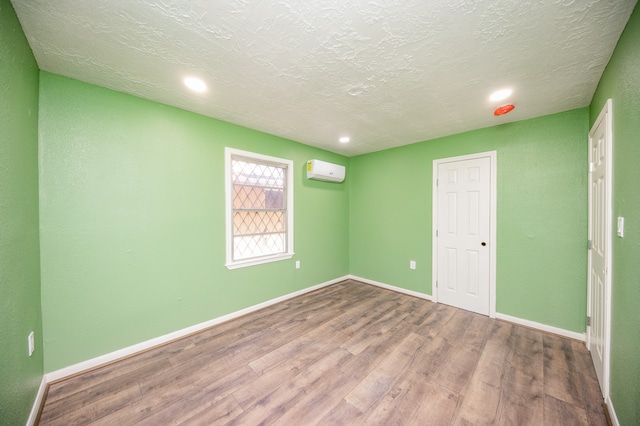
[(542, 215), (133, 221), (20, 375), (621, 83)]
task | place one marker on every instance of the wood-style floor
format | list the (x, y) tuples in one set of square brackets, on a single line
[(348, 354)]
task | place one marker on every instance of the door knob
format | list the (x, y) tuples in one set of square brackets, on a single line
[(484, 244)]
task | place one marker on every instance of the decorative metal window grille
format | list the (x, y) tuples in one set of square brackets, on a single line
[(259, 208)]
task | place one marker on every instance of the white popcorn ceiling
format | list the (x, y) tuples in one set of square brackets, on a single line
[(384, 72)]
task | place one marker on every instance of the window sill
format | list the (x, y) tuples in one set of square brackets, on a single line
[(260, 261)]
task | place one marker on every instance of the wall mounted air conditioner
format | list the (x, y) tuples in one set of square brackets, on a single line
[(321, 170)]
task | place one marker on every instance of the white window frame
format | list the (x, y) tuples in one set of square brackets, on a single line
[(288, 164)]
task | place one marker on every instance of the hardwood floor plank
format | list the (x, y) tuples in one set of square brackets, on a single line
[(455, 328), (455, 371), (399, 404), (279, 375), (78, 383), (378, 382), (387, 323), (561, 379), (287, 351), (480, 403), (593, 399), (219, 413), (319, 401), (346, 354), (366, 362), (562, 413), (367, 315), (528, 351), (430, 356), (273, 405), (438, 406), (254, 324), (118, 385), (97, 409), (434, 322), (343, 414), (484, 392), (176, 403), (420, 311), (475, 336), (522, 399), (328, 393), (414, 401)]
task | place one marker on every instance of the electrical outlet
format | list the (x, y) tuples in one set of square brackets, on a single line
[(32, 343), (297, 264), (412, 264)]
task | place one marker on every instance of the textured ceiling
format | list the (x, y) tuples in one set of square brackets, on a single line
[(385, 72)]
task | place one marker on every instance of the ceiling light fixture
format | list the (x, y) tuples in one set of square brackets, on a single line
[(195, 84), (500, 95), (345, 139)]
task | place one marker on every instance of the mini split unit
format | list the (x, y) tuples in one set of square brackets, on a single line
[(321, 170)]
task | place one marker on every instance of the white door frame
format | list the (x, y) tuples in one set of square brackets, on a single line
[(493, 156), (605, 114)]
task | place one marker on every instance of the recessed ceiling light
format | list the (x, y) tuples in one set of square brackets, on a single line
[(500, 95), (195, 84), (345, 139)]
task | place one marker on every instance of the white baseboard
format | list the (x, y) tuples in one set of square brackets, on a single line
[(543, 327), (612, 413), (527, 323), (139, 347), (391, 287), (121, 353), (37, 403)]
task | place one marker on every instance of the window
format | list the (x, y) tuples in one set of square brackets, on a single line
[(259, 200)]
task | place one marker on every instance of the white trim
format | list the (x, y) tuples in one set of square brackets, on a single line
[(392, 287), (612, 413), (542, 327), (493, 156), (124, 352), (228, 189), (131, 350), (37, 402), (519, 321), (605, 114), (527, 323), (259, 261)]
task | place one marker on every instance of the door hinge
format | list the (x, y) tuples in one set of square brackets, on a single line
[(436, 284), (436, 232), (588, 321), (592, 167), (589, 244)]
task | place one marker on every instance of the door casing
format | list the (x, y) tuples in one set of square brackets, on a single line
[(493, 156), (605, 118)]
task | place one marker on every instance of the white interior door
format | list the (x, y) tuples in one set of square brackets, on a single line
[(600, 229), (464, 233)]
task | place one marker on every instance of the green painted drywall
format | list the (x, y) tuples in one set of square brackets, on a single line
[(133, 221), (541, 215), (621, 83), (20, 375)]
